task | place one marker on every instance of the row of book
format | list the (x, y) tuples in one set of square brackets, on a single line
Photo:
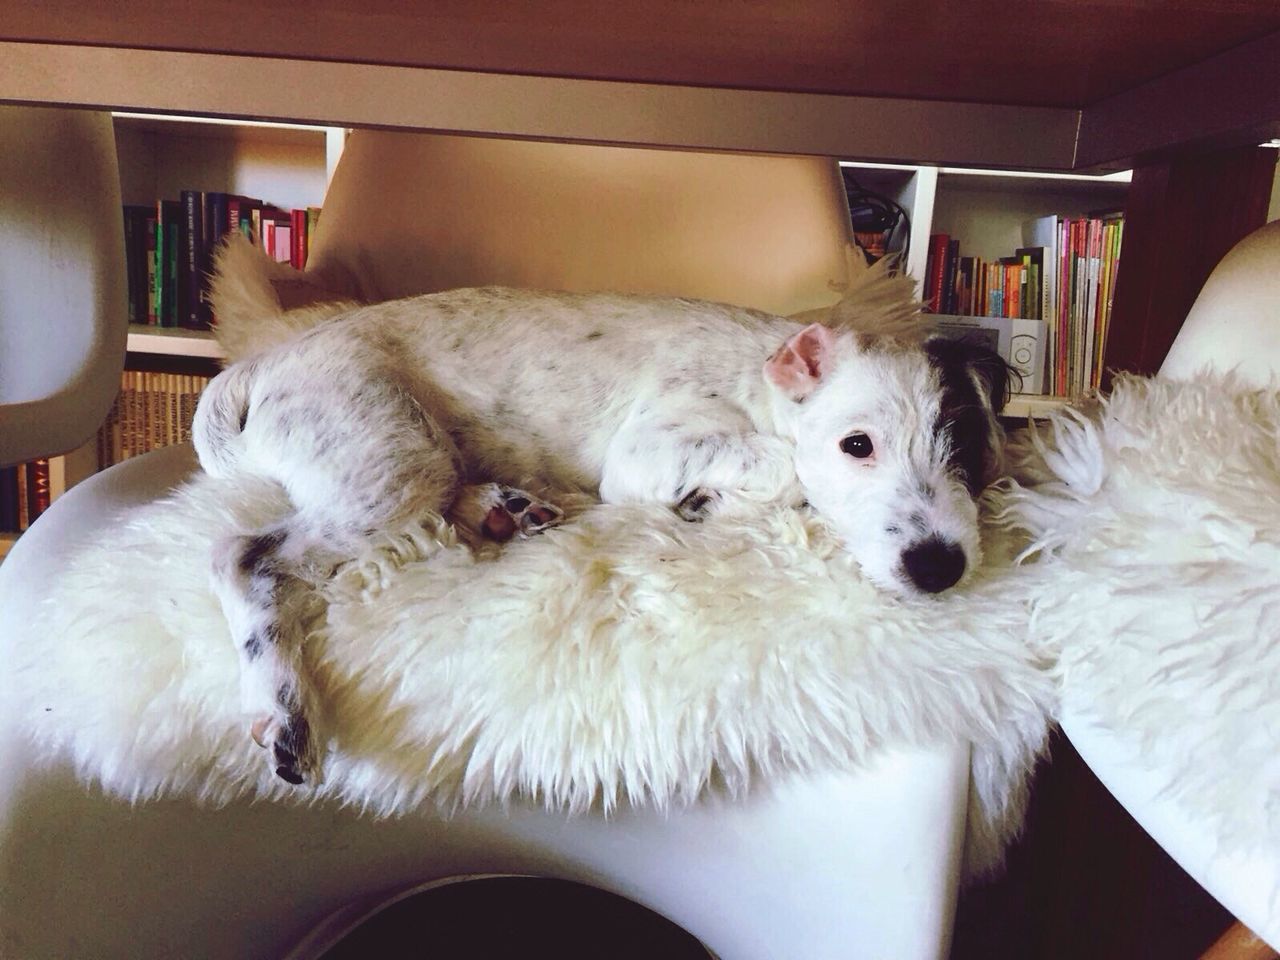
[(1065, 275), (169, 247), (152, 410), (25, 493)]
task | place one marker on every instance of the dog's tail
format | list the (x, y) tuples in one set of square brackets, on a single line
[(260, 303), (220, 419)]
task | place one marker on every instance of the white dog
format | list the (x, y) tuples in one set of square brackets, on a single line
[(380, 414)]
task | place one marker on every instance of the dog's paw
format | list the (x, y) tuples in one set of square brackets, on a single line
[(698, 504), (519, 512), (290, 746), (499, 513)]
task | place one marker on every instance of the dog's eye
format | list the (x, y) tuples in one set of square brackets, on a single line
[(857, 445)]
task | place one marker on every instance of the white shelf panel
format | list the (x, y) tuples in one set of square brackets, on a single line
[(1022, 406), (173, 342)]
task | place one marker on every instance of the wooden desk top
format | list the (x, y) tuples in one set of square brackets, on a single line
[(1054, 84)]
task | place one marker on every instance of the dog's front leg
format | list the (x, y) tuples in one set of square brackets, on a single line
[(699, 463)]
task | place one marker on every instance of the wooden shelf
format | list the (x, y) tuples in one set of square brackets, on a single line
[(173, 342), (7, 540)]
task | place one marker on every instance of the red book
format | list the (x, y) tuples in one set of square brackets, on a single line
[(936, 271), (298, 235), (38, 491)]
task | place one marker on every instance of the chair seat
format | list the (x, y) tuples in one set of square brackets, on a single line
[(1247, 886), (838, 865)]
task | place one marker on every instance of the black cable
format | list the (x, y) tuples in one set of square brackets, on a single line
[(872, 212)]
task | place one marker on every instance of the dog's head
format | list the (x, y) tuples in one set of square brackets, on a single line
[(894, 442)]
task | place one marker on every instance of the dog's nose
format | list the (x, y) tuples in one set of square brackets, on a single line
[(934, 564)]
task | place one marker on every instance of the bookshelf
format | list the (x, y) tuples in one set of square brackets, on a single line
[(292, 163), (985, 210)]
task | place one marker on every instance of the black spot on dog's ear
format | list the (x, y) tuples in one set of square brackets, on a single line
[(975, 386), (992, 370)]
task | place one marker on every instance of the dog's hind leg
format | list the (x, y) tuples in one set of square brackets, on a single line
[(256, 579), (370, 461)]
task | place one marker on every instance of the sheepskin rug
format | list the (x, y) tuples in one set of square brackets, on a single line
[(1155, 520), (626, 657)]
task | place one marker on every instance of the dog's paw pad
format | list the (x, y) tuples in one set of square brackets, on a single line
[(519, 512), (697, 504), (499, 525)]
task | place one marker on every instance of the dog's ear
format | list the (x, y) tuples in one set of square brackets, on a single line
[(975, 387), (982, 366), (800, 364)]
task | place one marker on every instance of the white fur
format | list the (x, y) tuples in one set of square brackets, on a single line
[(1156, 519), (626, 656)]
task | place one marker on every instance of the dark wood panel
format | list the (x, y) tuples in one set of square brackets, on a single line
[(1051, 53), (1085, 881), (1181, 218)]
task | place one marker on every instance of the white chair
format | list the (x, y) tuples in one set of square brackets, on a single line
[(830, 867), (62, 293), (1233, 325)]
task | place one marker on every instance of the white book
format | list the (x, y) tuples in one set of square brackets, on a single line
[(1044, 232)]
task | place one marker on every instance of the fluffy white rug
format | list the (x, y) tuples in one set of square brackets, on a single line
[(626, 656), (1156, 521)]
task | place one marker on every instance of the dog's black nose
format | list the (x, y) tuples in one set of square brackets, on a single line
[(934, 564)]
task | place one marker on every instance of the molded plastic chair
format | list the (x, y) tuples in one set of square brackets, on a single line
[(1233, 325), (834, 866), (62, 291)]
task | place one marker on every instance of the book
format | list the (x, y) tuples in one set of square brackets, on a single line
[(152, 410), (965, 285), (1042, 233), (135, 249), (168, 214), (298, 232), (38, 492), (9, 499), (216, 222), (313, 223), (935, 271), (949, 277), (23, 499), (149, 269), (192, 249), (1036, 305)]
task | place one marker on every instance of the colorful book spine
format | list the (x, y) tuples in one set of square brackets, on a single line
[(935, 271)]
